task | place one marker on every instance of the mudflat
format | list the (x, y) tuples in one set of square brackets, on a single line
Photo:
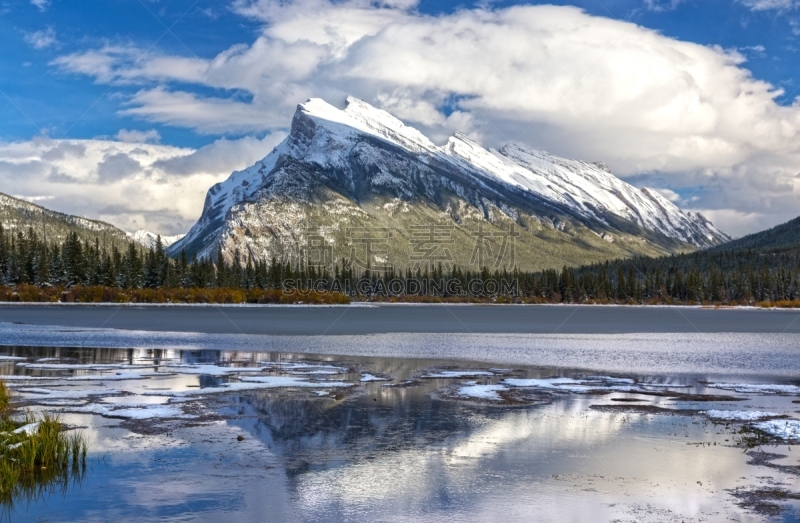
[(375, 319)]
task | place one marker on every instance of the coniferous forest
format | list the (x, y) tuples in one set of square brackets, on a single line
[(758, 269)]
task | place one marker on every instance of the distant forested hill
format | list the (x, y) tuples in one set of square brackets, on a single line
[(783, 237), (19, 216), (761, 267)]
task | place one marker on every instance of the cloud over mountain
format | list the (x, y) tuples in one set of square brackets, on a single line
[(553, 77), (132, 185)]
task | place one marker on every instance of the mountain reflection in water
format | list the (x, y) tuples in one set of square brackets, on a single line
[(377, 451)]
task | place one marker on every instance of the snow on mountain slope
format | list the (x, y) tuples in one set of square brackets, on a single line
[(328, 137), (592, 190), (148, 239)]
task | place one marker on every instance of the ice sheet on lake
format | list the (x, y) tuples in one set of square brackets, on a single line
[(138, 400), (289, 368), (611, 380), (639, 353), (666, 385), (117, 376), (135, 411), (483, 392), (30, 378), (786, 429), (210, 370), (448, 374), (12, 358), (79, 366), (35, 393), (365, 378), (576, 385), (62, 402), (740, 415), (305, 368), (756, 388), (256, 383), (291, 381), (556, 384)]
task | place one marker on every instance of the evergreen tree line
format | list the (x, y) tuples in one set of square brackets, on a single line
[(735, 276)]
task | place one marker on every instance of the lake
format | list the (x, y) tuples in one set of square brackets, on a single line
[(417, 426)]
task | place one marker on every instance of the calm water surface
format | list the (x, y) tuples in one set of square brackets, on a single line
[(356, 438)]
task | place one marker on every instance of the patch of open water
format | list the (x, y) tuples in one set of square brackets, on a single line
[(221, 435)]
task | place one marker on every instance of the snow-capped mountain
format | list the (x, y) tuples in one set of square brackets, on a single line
[(148, 239), (362, 167)]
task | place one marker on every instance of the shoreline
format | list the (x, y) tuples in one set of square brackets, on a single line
[(378, 318), (375, 304)]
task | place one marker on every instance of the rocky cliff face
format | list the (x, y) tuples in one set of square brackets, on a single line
[(359, 185)]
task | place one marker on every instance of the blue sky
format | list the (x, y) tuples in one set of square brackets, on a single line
[(48, 100), (214, 83), (62, 104)]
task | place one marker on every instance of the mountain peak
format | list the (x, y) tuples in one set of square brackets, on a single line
[(361, 154), (320, 109), (148, 239), (362, 117)]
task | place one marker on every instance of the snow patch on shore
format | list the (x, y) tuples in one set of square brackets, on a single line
[(754, 388), (482, 392), (29, 429), (786, 429), (740, 415)]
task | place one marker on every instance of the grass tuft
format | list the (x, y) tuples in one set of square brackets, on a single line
[(37, 454), (5, 400)]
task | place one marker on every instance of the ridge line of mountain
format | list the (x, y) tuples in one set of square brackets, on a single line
[(339, 169)]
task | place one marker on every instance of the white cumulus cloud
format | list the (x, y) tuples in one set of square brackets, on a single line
[(41, 5), (131, 185), (42, 39), (553, 77), (767, 5), (134, 136)]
